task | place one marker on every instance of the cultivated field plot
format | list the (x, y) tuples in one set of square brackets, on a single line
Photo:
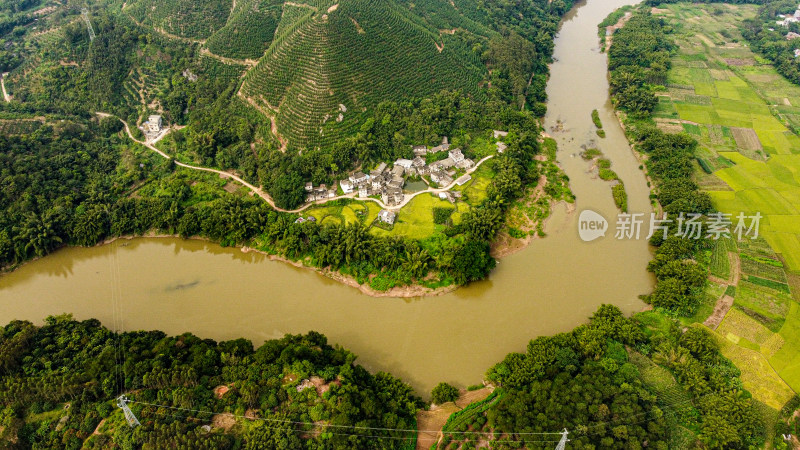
[(743, 113), (415, 220)]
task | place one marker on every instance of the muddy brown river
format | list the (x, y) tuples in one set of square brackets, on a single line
[(553, 285)]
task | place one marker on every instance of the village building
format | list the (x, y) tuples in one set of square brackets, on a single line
[(378, 181), (154, 123), (398, 171), (319, 193), (445, 146), (419, 165), (364, 191), (397, 182), (392, 196), (499, 134), (442, 165), (465, 164), (386, 216), (456, 155), (441, 178), (347, 186), (404, 163), (501, 147), (358, 178), (378, 170), (420, 150)]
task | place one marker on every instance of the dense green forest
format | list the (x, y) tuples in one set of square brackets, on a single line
[(60, 380)]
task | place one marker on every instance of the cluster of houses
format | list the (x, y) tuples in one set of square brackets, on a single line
[(388, 183), (787, 19)]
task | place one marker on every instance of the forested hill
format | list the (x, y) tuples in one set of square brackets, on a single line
[(329, 61)]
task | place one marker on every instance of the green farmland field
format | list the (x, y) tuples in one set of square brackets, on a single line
[(744, 114)]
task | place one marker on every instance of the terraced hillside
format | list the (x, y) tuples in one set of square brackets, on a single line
[(192, 19), (330, 61), (248, 31)]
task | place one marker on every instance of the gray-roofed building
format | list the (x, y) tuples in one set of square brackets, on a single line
[(405, 163), (398, 171), (465, 164), (456, 155), (386, 216), (358, 178)]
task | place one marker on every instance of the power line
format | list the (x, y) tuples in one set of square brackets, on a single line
[(85, 14), (355, 427), (354, 434)]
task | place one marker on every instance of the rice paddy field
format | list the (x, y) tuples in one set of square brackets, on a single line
[(746, 118), (744, 114)]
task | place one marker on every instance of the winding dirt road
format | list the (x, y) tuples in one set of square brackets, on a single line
[(267, 198), (6, 97)]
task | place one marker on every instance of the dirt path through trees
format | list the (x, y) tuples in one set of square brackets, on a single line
[(6, 97)]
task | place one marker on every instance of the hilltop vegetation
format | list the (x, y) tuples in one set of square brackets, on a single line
[(195, 19)]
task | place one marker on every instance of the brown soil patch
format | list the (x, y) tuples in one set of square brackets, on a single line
[(231, 187), (96, 431), (430, 423), (736, 268), (224, 421), (504, 244), (669, 126), (289, 378), (219, 391), (321, 386), (720, 310), (611, 29), (740, 61), (746, 138), (251, 414)]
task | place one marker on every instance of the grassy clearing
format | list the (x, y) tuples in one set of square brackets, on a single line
[(415, 220), (736, 107)]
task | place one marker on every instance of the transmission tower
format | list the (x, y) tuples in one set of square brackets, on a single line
[(122, 402), (85, 14), (562, 444)]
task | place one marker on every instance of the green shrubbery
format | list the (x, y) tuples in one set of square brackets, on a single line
[(443, 393)]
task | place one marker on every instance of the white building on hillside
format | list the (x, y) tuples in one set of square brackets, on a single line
[(154, 123)]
